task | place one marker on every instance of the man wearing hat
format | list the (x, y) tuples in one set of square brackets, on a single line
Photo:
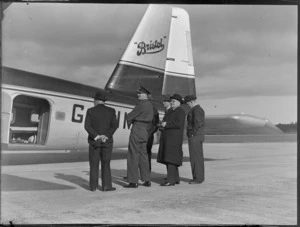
[(166, 101), (170, 149), (195, 134), (167, 105), (100, 124), (137, 159)]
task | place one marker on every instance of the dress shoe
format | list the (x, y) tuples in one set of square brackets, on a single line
[(92, 189), (131, 185), (167, 184), (177, 182), (194, 182), (108, 189), (147, 183)]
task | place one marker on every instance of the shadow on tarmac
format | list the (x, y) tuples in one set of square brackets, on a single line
[(15, 183), (117, 178), (48, 158), (8, 159), (83, 183), (158, 178)]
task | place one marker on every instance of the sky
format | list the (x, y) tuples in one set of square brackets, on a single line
[(245, 56)]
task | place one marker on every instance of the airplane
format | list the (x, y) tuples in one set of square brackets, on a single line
[(45, 113)]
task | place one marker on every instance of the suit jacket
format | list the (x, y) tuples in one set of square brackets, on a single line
[(100, 120), (195, 122)]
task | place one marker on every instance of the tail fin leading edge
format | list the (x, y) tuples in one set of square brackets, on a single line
[(158, 57)]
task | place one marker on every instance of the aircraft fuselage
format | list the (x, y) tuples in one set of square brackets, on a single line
[(35, 118)]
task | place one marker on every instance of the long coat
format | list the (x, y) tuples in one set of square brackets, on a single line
[(170, 148)]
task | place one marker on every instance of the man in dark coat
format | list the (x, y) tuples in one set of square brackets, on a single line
[(170, 148), (153, 127), (137, 158), (101, 124), (167, 106), (195, 134)]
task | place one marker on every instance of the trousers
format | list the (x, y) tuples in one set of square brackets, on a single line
[(196, 158), (137, 158), (172, 174), (102, 153), (149, 149)]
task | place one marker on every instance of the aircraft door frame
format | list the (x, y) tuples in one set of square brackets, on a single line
[(25, 131), (6, 107)]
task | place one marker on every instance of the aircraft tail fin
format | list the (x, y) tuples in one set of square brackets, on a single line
[(158, 57)]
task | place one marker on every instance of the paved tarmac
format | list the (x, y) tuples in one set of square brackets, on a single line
[(246, 183)]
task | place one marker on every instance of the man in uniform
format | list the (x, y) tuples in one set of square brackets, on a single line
[(100, 124), (137, 158), (195, 134)]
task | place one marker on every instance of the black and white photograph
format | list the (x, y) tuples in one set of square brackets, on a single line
[(148, 114)]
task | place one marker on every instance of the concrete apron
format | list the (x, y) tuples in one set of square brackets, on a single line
[(246, 183)]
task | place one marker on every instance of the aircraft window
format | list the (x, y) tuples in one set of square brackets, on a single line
[(60, 115), (31, 118)]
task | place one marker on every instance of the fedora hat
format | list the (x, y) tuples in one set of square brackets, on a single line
[(189, 98), (100, 96), (166, 98), (143, 90), (177, 97)]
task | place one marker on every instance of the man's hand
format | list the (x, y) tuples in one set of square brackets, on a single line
[(97, 138), (104, 138)]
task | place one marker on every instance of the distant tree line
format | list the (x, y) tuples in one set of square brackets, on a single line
[(288, 128)]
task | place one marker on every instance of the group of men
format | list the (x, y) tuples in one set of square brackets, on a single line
[(101, 123)]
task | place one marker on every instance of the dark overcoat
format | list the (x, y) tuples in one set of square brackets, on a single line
[(170, 148), (100, 120)]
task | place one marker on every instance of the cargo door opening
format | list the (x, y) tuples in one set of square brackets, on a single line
[(29, 120)]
